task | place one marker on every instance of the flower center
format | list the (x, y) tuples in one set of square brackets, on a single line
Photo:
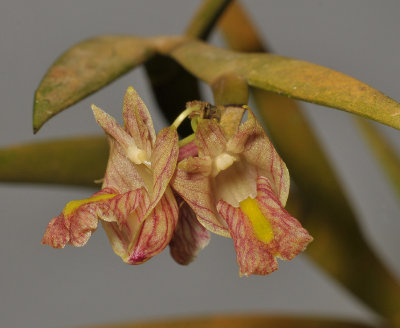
[(136, 155), (261, 225), (235, 183), (222, 162)]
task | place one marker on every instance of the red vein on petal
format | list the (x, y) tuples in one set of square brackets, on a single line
[(189, 238), (290, 237), (56, 234), (253, 256), (188, 150), (151, 240), (164, 175)]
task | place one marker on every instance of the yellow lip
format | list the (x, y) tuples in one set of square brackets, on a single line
[(74, 204), (261, 225)]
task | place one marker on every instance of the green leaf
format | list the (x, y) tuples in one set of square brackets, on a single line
[(230, 89), (239, 321), (384, 152), (205, 18), (339, 246), (289, 77), (85, 68), (78, 161)]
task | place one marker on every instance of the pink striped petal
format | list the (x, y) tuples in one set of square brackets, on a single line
[(122, 233), (210, 138), (82, 223), (190, 237), (290, 238), (253, 256), (163, 161), (195, 189), (119, 208), (188, 150), (76, 227), (112, 128), (123, 219), (56, 234), (121, 175), (156, 231), (137, 121), (256, 149)]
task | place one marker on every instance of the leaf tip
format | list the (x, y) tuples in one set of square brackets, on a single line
[(41, 113)]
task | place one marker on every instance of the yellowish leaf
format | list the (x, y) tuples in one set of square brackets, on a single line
[(78, 161), (289, 77), (384, 152), (85, 68)]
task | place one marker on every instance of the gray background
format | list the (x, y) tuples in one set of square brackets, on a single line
[(42, 287)]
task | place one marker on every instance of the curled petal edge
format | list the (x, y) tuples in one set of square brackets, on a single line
[(189, 238), (255, 256)]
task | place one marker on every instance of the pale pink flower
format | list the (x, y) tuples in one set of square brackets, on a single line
[(237, 186), (136, 206)]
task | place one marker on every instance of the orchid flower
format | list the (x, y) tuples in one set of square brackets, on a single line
[(237, 186), (136, 206)]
